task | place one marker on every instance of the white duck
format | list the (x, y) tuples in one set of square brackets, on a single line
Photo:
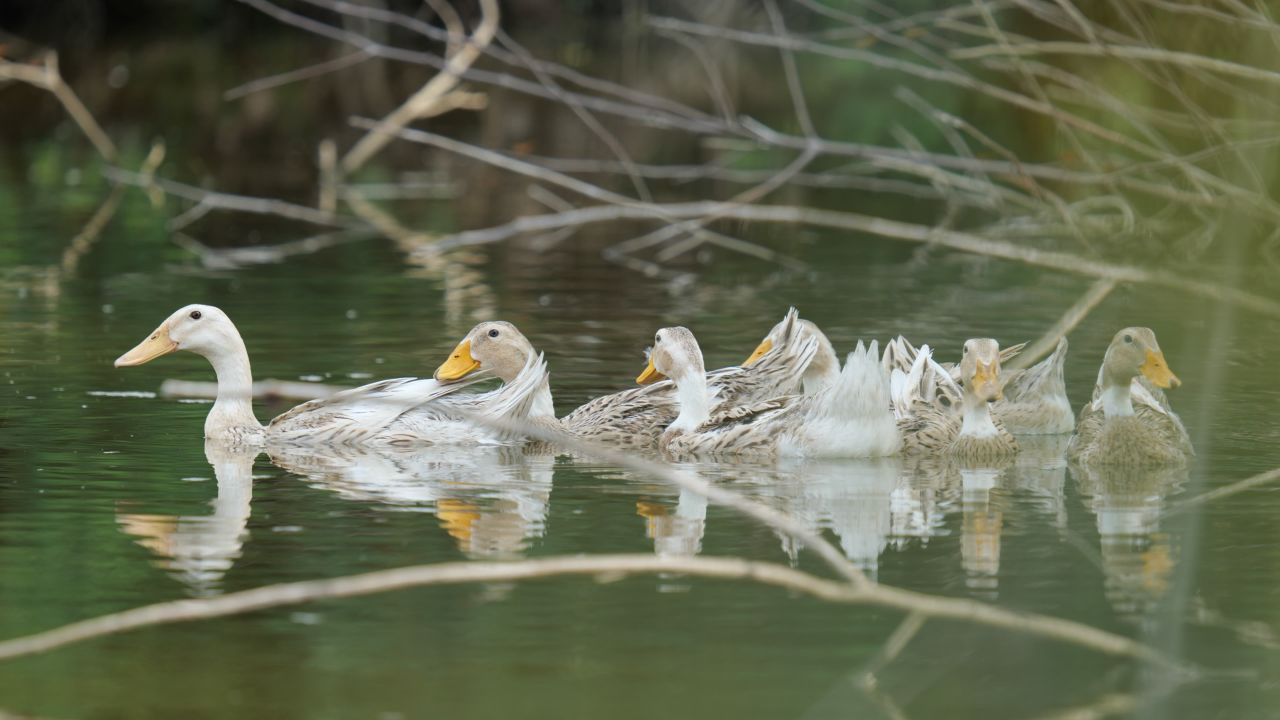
[(370, 413), (849, 419)]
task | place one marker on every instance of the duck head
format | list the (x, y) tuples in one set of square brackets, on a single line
[(675, 354), (202, 329), (495, 347), (1134, 351), (980, 369)]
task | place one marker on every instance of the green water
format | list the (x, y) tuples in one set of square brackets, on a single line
[(108, 502)]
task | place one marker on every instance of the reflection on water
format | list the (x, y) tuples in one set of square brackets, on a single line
[(675, 531), (1041, 473), (980, 532), (851, 498), (198, 550), (491, 500), (1138, 559)]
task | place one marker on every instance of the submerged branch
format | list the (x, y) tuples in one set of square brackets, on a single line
[(269, 389), (1234, 488), (603, 567)]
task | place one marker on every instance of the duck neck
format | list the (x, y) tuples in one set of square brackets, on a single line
[(824, 371), (1117, 399), (233, 410), (694, 402), (977, 421), (543, 404)]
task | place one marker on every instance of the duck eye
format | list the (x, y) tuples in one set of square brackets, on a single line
[(493, 333), (657, 339), (195, 315), (1128, 338)]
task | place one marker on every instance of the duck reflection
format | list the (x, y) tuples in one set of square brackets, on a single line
[(1041, 474), (983, 505), (1137, 558), (199, 549), (491, 500), (920, 503), (675, 531), (854, 499), (980, 534)]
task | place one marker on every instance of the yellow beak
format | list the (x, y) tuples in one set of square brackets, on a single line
[(153, 347), (1158, 372), (986, 382), (459, 365), (650, 374), (765, 346)]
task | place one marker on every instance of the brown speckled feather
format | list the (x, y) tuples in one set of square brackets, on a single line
[(1035, 400), (1148, 437), (740, 430), (637, 416), (934, 431)]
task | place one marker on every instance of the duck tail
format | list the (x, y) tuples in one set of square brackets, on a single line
[(855, 412), (1045, 377), (926, 383), (1057, 364), (899, 354)]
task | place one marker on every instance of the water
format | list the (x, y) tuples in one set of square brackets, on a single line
[(109, 502), (109, 499)]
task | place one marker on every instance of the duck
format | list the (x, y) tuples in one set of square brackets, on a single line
[(851, 418), (939, 416), (1035, 399), (822, 371), (1129, 421), (371, 413), (637, 417)]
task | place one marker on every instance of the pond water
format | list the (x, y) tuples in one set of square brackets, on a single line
[(109, 502), (109, 499)]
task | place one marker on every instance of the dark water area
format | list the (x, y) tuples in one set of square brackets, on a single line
[(110, 500)]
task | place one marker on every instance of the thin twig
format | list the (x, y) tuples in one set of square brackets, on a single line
[(1171, 57), (47, 77), (226, 201), (304, 73), (428, 95), (1234, 488), (1096, 293)]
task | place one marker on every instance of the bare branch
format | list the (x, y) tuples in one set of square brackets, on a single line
[(426, 97), (602, 567), (47, 77), (963, 242)]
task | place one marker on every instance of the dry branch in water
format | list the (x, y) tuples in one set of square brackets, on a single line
[(605, 567)]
